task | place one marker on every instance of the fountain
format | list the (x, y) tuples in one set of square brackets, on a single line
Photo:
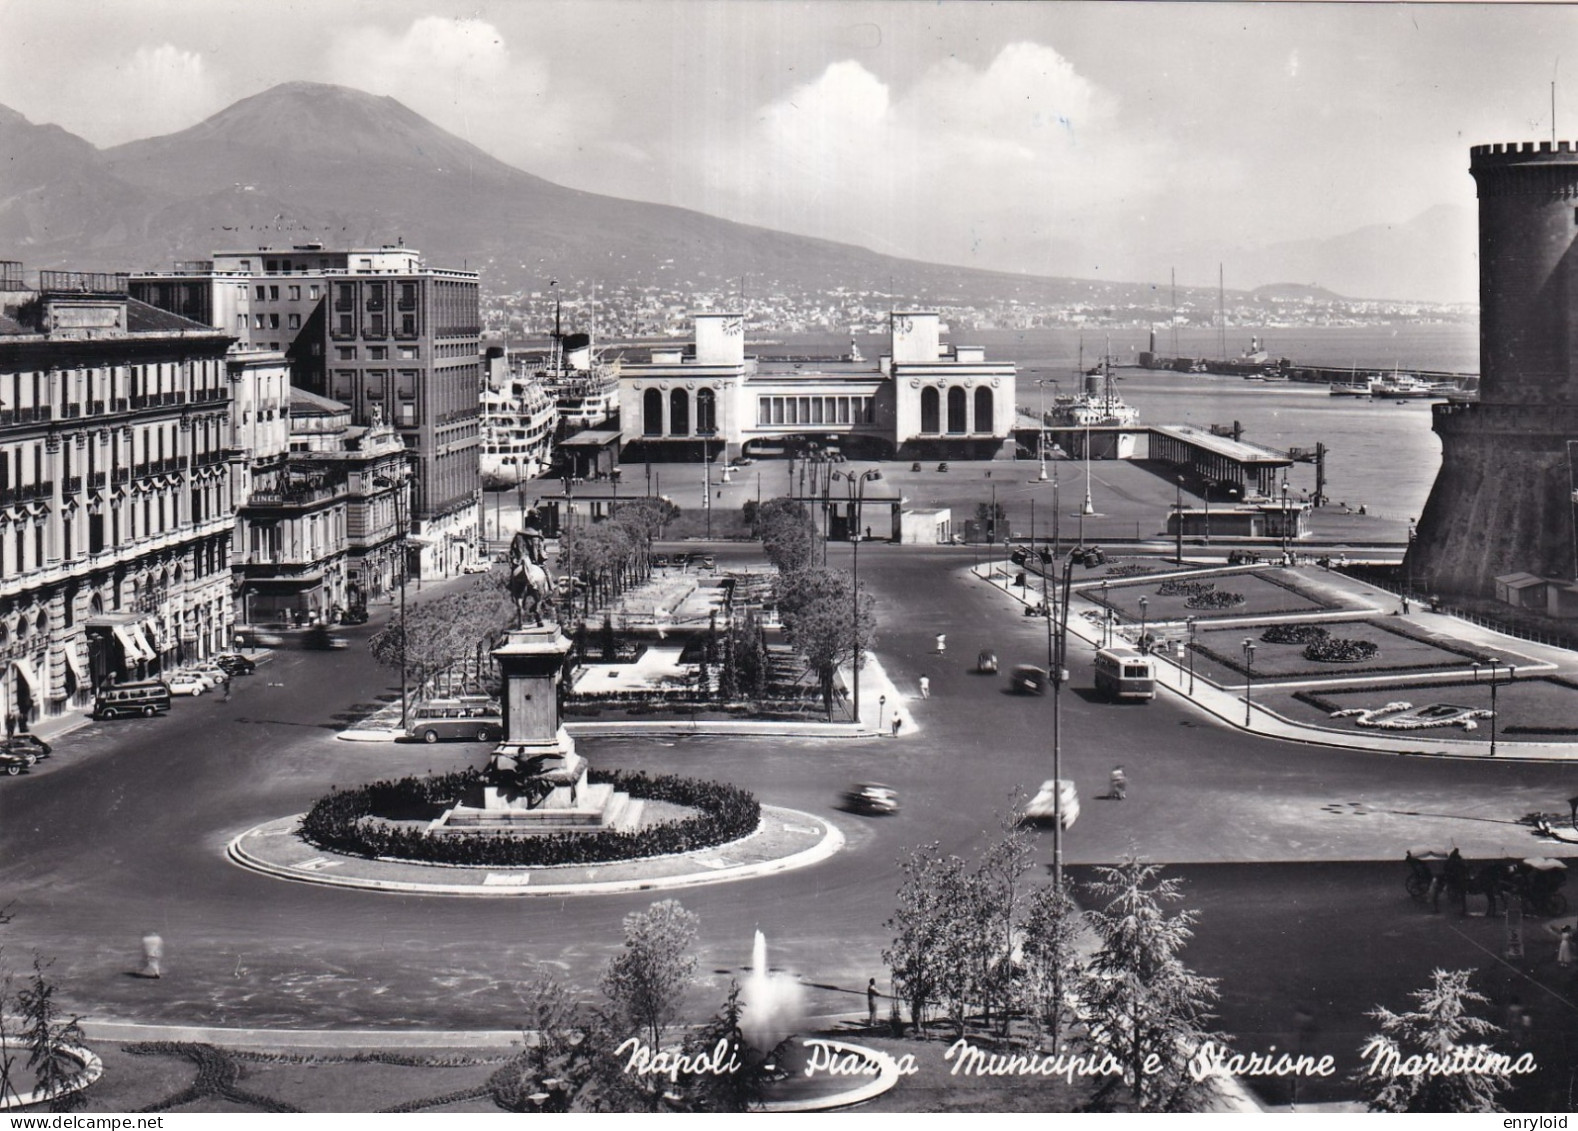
[(774, 1002)]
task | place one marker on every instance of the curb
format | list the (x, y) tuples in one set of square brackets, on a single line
[(92, 1069), (831, 842)]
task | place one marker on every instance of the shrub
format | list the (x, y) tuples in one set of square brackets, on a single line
[(1294, 634), (1215, 599), (1337, 650), (1176, 588), (338, 823)]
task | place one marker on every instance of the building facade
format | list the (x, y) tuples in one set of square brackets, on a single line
[(381, 333), (116, 507), (922, 400)]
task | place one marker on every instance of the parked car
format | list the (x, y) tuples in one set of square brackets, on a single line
[(943, 466), (25, 743), (706, 561), (14, 764), (659, 560), (480, 565), (1057, 799), (235, 663), (871, 798), (185, 683), (213, 672), (915, 466)]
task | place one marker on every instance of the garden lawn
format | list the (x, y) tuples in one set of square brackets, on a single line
[(1531, 710), (1265, 593), (1220, 655)]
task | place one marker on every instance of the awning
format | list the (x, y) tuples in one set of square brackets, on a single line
[(135, 646), (151, 638), (25, 670), (77, 660)]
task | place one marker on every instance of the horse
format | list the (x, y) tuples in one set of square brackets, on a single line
[(1488, 880), (529, 580)]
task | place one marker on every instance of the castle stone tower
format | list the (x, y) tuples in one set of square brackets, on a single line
[(1503, 501)]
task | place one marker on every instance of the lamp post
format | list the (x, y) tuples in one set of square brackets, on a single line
[(1494, 664), (1178, 519), (1088, 507), (1059, 663), (1041, 429), (1249, 676), (1106, 620), (1143, 604), (399, 486), (857, 506), (882, 711), (1056, 541), (1189, 622), (1284, 518)]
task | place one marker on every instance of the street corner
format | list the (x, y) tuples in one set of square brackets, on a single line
[(784, 840)]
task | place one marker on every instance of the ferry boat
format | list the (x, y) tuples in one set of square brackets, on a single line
[(517, 431), (585, 390)]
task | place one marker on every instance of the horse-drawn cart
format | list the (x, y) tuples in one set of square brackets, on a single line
[(1535, 881)]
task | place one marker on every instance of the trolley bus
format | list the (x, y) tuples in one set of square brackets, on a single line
[(1125, 674)]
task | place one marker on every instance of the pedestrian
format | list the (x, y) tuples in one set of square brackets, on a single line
[(871, 1003), (942, 643), (10, 724), (896, 722), (152, 954), (1405, 606), (227, 691), (1564, 946), (925, 686), (1119, 787)]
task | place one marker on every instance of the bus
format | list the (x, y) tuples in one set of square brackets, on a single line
[(472, 717), (1125, 674)]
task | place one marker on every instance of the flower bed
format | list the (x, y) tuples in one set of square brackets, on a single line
[(1176, 588), (1294, 634), (337, 823), (1215, 599), (1337, 650)]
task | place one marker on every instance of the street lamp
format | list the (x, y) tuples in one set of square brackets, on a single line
[(1284, 518), (1143, 604), (1189, 623), (857, 506), (882, 710), (1512, 672), (1178, 518), (1041, 429), (1249, 676), (1106, 626), (399, 486), (1059, 662)]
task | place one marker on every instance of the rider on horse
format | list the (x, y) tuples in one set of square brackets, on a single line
[(529, 578)]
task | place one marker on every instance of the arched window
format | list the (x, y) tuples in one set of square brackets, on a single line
[(706, 412), (679, 413), (983, 409), (930, 410), (652, 413), (958, 410)]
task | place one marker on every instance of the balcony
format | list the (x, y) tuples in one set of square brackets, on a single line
[(120, 476), (27, 493), (95, 408), (96, 481), (71, 485), (71, 411)]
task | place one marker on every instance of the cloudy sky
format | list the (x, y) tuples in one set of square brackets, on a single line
[(1016, 135)]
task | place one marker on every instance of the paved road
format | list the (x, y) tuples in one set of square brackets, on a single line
[(124, 830)]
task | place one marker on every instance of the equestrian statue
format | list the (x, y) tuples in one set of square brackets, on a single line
[(530, 584)]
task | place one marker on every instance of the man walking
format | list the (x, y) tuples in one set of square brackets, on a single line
[(942, 643), (871, 1003), (897, 721), (1119, 784), (925, 686)]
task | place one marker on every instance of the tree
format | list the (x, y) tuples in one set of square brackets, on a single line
[(788, 533), (743, 1085), (999, 896), (820, 615), (646, 981), (922, 959), (1051, 932), (992, 520), (1434, 1033), (435, 635), (50, 1038), (1145, 1008)]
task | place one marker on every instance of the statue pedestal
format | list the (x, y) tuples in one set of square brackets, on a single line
[(536, 780)]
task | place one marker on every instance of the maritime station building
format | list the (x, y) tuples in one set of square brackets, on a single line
[(922, 400), (116, 505), (375, 329)]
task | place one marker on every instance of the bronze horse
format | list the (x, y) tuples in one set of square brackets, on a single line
[(529, 585)]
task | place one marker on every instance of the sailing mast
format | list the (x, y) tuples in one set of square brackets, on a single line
[(1221, 316)]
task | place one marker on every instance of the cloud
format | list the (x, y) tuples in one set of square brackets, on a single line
[(986, 165), (462, 75)]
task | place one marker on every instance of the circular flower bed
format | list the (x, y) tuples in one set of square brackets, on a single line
[(1216, 599), (338, 823), (1176, 588), (1294, 634), (1335, 650)]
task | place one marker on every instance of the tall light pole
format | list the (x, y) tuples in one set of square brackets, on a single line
[(1059, 665), (1189, 622), (857, 507), (1088, 507), (1106, 620), (400, 485), (1143, 604), (1249, 676), (1178, 518), (1056, 541), (1041, 429), (1284, 518), (1512, 672)]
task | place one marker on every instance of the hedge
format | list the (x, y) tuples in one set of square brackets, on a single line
[(337, 823), (1294, 634), (1341, 650)]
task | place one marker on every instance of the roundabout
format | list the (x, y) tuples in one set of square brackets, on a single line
[(784, 839)]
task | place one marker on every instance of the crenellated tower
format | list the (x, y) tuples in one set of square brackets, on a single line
[(1503, 500)]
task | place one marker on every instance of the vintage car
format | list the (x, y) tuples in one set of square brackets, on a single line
[(871, 798), (1056, 798)]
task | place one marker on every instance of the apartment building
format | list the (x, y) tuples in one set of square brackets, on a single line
[(116, 511)]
